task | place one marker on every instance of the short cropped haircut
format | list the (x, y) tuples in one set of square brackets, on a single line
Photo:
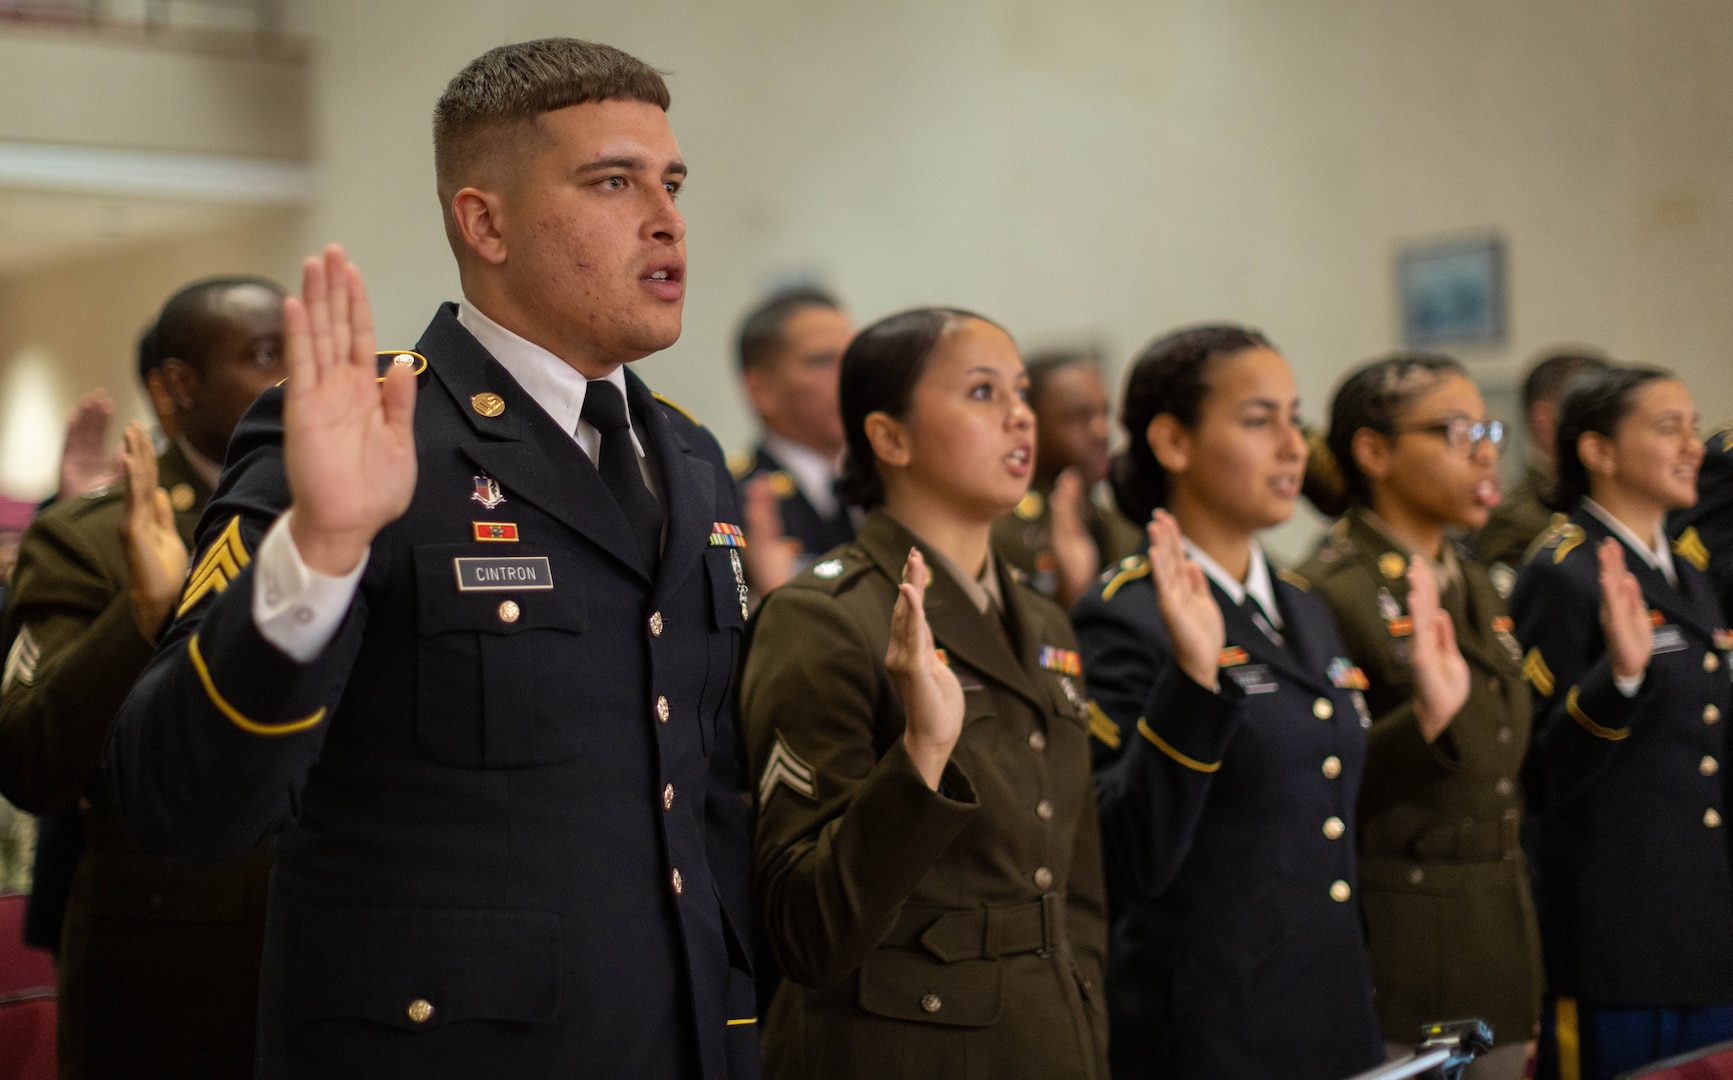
[(1556, 369), (187, 324), (494, 101), (761, 331)]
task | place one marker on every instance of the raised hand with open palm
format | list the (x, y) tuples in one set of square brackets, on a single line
[(348, 437)]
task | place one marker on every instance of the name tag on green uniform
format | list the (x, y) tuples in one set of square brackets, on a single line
[(503, 574)]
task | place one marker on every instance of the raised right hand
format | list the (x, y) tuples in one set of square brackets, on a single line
[(769, 556), (156, 560), (1195, 626), (1624, 615), (84, 467), (927, 687), (1073, 548), (1441, 676), (348, 439)]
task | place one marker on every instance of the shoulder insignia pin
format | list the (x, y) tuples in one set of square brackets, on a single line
[(224, 559), (1503, 579), (739, 465), (182, 498), (831, 568), (787, 769), (400, 358), (1030, 506), (782, 485), (1391, 565)]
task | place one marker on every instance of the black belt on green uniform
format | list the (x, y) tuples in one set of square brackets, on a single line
[(983, 933)]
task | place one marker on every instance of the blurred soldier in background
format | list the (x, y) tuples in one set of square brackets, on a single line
[(790, 353), (1520, 516), (1066, 529), (158, 966)]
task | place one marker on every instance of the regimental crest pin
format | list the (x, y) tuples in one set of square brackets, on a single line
[(487, 492), (1388, 608), (787, 769)]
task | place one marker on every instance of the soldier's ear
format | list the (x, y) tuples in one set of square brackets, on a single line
[(1595, 451), (1170, 441), (890, 439), (181, 382), (1372, 452), (476, 219)]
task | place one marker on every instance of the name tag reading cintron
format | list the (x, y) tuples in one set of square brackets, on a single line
[(503, 575)]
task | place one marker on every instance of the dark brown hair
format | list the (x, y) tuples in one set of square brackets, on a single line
[(497, 97), (1374, 397), (761, 331), (880, 368), (1167, 377), (1598, 402)]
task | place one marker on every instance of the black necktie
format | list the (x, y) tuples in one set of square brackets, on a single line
[(605, 409)]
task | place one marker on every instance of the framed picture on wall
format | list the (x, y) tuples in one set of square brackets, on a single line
[(1452, 293)]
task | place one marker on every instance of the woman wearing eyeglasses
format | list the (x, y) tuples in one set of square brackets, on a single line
[(1629, 656), (1450, 918)]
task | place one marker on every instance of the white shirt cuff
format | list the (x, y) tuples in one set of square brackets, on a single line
[(1630, 686), (296, 608)]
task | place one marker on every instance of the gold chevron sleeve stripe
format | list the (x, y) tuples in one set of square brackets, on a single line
[(1165, 747), (1539, 676), (1690, 547), (1102, 727), (1599, 732), (288, 727), (786, 768), (217, 566), (1139, 569)]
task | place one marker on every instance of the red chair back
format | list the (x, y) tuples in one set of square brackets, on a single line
[(27, 1007), (1709, 1063)]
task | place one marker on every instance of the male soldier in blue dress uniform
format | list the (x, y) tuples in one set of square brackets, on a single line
[(790, 354), (464, 637)]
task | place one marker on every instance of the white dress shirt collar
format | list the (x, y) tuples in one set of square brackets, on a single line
[(1257, 584), (1656, 552), (813, 472), (554, 384)]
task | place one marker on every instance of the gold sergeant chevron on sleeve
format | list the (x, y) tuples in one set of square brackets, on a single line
[(1540, 676), (786, 768), (217, 567)]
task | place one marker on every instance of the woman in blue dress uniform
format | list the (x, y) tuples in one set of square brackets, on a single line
[(1626, 649), (1229, 741)]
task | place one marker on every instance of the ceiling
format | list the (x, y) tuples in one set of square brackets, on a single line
[(38, 228)]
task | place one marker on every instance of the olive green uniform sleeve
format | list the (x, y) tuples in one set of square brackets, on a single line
[(76, 651)]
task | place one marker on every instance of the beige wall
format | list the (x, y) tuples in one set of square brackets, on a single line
[(74, 327), (1110, 168), (1103, 169)]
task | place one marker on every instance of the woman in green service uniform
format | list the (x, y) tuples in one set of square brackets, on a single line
[(1446, 892), (928, 862)]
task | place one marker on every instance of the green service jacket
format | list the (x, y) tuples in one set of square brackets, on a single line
[(951, 934), (1448, 907), (1023, 537), (159, 965)]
